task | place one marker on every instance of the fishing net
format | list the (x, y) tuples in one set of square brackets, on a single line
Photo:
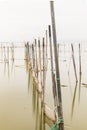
[(54, 127)]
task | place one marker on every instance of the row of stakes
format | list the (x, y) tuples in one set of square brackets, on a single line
[(37, 56), (5, 50)]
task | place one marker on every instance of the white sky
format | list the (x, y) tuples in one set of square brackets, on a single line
[(22, 20)]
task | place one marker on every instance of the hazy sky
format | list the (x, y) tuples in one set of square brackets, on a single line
[(22, 20)]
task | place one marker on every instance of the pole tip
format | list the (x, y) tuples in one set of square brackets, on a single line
[(51, 0)]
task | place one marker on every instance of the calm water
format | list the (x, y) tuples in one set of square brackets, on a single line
[(74, 94), (20, 104)]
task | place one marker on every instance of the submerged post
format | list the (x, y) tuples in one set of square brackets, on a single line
[(58, 87)]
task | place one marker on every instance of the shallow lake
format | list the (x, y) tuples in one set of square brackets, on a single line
[(20, 104)]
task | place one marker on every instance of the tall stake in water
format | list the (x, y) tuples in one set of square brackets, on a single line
[(28, 51), (40, 67), (8, 53), (52, 73), (46, 49), (33, 57), (79, 59), (43, 85), (36, 58), (74, 62), (43, 69), (58, 87), (80, 71)]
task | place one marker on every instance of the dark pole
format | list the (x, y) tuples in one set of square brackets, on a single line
[(43, 69), (36, 67), (52, 73), (74, 62), (56, 56), (40, 67), (79, 59)]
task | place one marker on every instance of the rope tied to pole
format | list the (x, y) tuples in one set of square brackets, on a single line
[(60, 120), (56, 125)]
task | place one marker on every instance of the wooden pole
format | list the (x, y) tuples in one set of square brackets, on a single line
[(40, 67), (12, 51), (8, 52), (80, 72), (43, 87), (46, 49), (58, 87), (79, 59), (4, 55), (1, 52), (36, 58), (43, 70), (52, 73), (74, 62), (33, 57), (28, 51)]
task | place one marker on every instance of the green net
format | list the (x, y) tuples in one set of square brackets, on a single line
[(54, 127)]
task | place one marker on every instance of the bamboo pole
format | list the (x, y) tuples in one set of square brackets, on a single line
[(8, 69), (36, 58), (28, 51), (80, 59), (80, 72), (1, 51), (4, 54), (46, 49), (40, 67), (8, 53), (13, 52), (52, 73), (43, 70), (58, 87), (74, 62), (33, 57)]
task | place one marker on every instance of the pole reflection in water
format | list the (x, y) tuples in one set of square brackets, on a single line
[(37, 106), (21, 103), (12, 66), (80, 76), (34, 97), (4, 68), (8, 70), (80, 72), (37, 111), (29, 80), (73, 101)]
